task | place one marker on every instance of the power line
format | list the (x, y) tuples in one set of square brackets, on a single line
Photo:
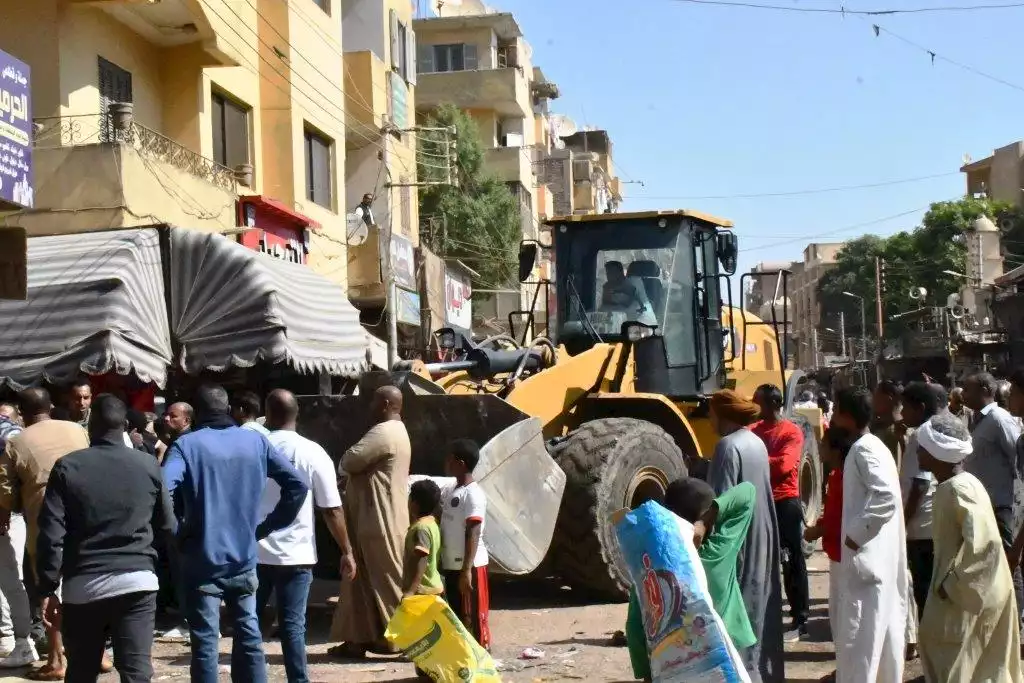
[(795, 193), (838, 231), (933, 55), (856, 12)]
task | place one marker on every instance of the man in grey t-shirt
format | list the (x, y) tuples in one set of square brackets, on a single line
[(994, 461)]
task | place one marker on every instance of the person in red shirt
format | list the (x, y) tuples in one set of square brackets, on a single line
[(785, 442), (829, 527)]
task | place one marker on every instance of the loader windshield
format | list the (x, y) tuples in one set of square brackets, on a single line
[(615, 273)]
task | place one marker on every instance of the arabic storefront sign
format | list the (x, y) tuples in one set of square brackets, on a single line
[(15, 133), (403, 263), (458, 301)]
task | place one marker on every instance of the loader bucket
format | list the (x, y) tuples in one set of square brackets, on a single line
[(523, 483)]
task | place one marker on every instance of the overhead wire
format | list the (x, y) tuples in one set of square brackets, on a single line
[(843, 10), (798, 193), (838, 231)]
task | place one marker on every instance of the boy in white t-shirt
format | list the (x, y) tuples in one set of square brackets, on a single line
[(463, 553)]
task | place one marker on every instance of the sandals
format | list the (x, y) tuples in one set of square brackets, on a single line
[(48, 673), (347, 651), (45, 673)]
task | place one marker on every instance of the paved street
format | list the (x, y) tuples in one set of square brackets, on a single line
[(575, 639)]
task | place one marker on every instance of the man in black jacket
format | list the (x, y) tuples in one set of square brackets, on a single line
[(103, 506)]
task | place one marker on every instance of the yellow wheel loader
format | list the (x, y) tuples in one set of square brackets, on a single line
[(610, 408)]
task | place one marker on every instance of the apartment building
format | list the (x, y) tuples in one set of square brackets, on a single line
[(762, 284), (482, 64), (818, 259), (381, 149), (580, 174), (1000, 176), (205, 114)]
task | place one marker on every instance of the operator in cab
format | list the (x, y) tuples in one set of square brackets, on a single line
[(617, 293)]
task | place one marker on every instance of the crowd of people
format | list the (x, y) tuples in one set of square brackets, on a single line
[(107, 520), (211, 510), (922, 525)]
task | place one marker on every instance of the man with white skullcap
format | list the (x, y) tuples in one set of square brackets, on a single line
[(970, 630)]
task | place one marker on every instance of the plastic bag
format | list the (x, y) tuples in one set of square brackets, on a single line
[(428, 632), (686, 639)]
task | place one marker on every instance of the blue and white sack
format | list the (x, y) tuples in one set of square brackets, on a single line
[(686, 639)]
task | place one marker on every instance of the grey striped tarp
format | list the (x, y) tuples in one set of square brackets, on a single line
[(232, 306), (95, 305)]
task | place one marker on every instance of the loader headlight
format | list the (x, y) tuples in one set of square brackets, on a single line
[(634, 332)]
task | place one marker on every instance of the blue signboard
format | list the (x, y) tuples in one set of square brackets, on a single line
[(15, 133), (399, 101), (408, 305)]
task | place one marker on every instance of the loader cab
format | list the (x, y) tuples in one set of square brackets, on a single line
[(651, 280)]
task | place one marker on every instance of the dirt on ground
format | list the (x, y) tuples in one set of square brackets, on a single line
[(575, 638)]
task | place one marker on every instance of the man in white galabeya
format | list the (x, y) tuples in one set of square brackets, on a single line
[(872, 605)]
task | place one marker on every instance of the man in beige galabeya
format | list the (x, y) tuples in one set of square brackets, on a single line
[(377, 513)]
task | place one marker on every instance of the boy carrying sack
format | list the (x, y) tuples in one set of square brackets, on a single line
[(422, 542), (464, 557)]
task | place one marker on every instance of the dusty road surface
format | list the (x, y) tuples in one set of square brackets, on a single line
[(575, 639)]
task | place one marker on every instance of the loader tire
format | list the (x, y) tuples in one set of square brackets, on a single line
[(811, 478), (609, 464)]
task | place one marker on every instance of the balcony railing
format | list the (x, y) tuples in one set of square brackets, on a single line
[(92, 129)]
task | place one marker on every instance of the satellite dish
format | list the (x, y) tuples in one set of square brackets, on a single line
[(562, 126), (918, 293), (957, 312), (356, 230)]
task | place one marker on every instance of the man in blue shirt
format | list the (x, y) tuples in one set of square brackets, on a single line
[(216, 475)]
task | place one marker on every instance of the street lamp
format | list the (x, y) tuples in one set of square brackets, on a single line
[(863, 333)]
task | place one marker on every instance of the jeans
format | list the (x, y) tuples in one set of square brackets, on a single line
[(129, 619), (291, 586), (202, 609), (921, 557), (790, 514), (16, 616)]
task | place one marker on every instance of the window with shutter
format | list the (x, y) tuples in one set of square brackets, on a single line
[(230, 131), (469, 57), (402, 42), (459, 57), (318, 169), (393, 34), (411, 55), (425, 59), (115, 85)]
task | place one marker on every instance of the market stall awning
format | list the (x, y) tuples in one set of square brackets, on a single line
[(95, 305), (232, 307)]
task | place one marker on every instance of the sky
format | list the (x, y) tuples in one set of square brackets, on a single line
[(704, 103)]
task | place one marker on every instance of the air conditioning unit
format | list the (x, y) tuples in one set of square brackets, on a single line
[(512, 140)]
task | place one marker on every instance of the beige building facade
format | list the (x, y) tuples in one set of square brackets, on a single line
[(211, 115), (381, 141), (818, 259), (482, 64), (1000, 176)]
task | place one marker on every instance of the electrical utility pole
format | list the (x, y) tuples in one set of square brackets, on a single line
[(814, 346), (842, 333), (879, 289)]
